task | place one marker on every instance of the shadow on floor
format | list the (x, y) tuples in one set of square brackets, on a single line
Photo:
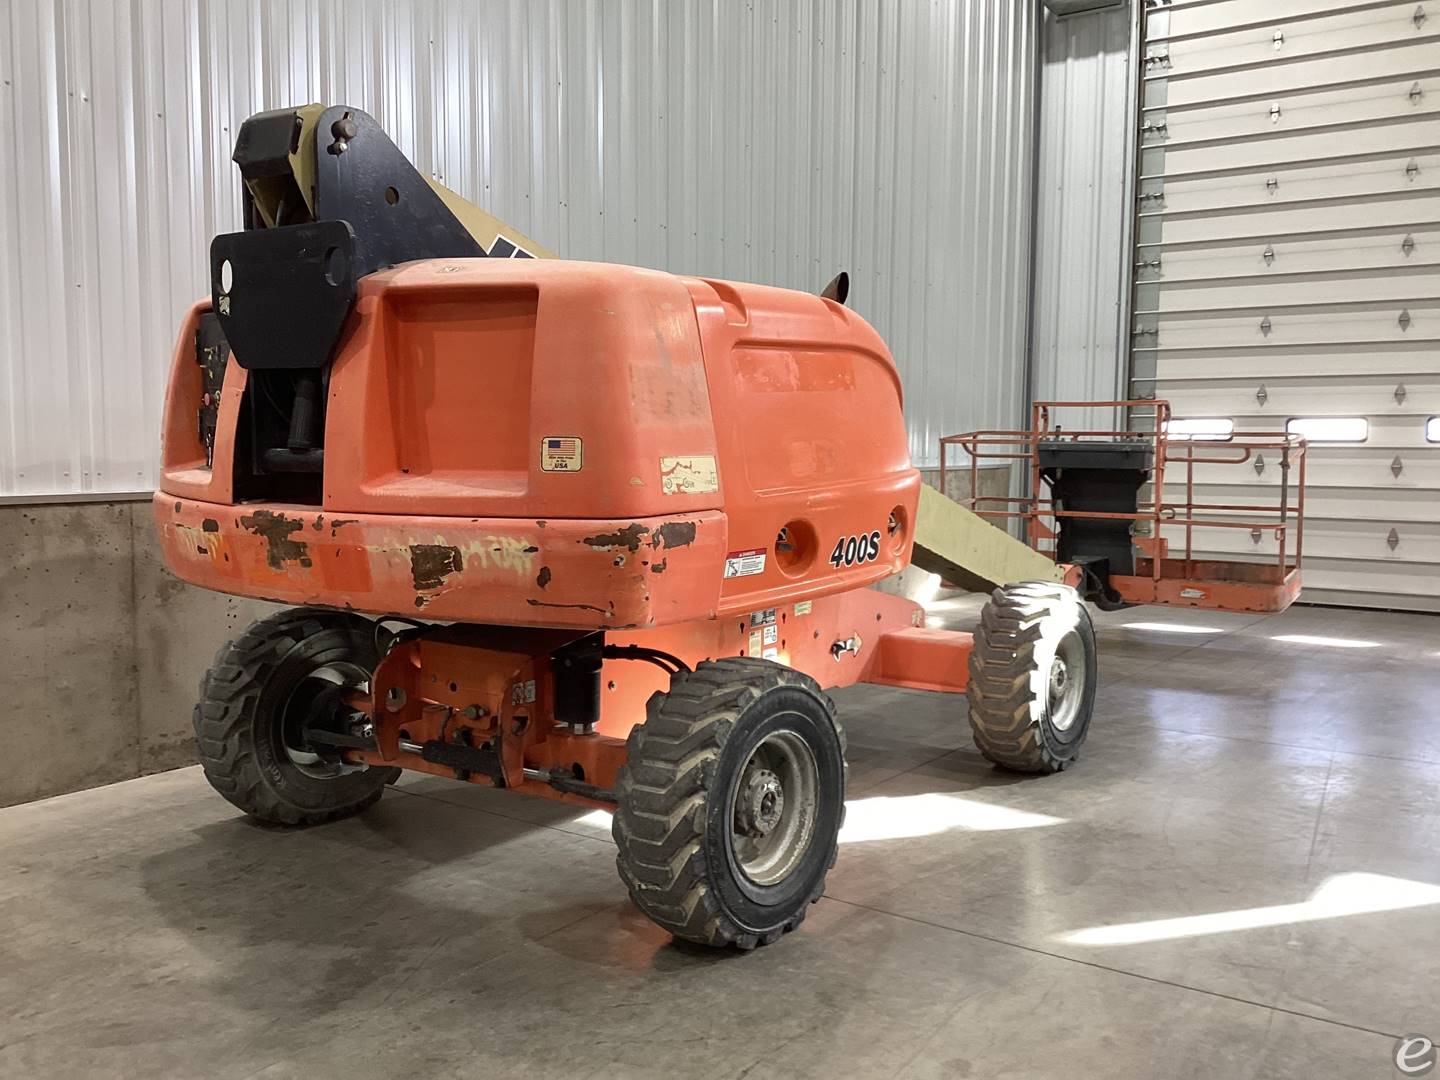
[(323, 917)]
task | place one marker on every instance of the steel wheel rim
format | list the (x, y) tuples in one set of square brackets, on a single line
[(295, 710), (773, 808), (1065, 682)]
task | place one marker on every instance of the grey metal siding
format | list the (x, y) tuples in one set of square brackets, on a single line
[(1086, 100), (771, 141)]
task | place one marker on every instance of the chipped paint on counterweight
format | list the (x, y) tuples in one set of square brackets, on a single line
[(277, 531)]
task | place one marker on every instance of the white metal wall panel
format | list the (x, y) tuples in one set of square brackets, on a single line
[(1078, 330), (1288, 246), (771, 141)]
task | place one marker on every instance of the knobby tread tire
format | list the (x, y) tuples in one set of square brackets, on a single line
[(1005, 719), (225, 723), (664, 790)]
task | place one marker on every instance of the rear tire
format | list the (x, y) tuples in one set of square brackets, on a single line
[(248, 722), (730, 802), (1032, 677)]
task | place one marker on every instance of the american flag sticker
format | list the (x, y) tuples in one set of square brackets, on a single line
[(561, 453)]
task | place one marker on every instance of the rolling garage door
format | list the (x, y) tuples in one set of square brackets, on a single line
[(1287, 268)]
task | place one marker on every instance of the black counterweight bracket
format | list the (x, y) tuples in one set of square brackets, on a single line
[(363, 178), (282, 295)]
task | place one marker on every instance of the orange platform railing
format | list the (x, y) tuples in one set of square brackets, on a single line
[(1161, 576)]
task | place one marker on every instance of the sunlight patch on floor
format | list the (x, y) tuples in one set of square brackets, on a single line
[(596, 819), (1344, 894), (882, 817), (897, 817), (1172, 628), (1329, 642)]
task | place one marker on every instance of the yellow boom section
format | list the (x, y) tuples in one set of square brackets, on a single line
[(965, 549)]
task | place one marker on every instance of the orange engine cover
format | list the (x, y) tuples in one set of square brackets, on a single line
[(563, 444)]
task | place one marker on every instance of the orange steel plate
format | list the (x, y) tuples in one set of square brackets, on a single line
[(1218, 585)]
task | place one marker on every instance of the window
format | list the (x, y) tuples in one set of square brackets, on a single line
[(1330, 428), (1432, 429), (1200, 430)]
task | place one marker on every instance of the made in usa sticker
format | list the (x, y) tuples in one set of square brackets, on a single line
[(561, 453)]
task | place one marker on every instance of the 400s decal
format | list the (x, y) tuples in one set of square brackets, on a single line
[(853, 550)]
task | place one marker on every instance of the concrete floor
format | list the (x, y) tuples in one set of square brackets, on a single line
[(1280, 799)]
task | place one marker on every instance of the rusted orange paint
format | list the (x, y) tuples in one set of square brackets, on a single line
[(499, 570), (453, 372), (731, 439)]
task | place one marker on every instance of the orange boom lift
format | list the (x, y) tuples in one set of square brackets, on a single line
[(590, 532)]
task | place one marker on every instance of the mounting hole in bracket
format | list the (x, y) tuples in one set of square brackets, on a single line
[(336, 266)]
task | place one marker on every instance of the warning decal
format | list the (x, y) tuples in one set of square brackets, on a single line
[(561, 453), (745, 563), (690, 475)]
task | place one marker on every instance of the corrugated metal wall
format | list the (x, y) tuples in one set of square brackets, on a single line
[(772, 141), (1081, 211)]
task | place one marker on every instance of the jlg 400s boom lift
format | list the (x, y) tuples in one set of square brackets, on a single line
[(611, 529)]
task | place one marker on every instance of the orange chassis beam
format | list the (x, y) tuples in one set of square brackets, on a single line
[(446, 692), (495, 687)]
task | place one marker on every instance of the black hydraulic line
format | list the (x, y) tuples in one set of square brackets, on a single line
[(663, 660)]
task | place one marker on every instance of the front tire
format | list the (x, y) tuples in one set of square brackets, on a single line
[(255, 701), (1032, 677), (730, 802)]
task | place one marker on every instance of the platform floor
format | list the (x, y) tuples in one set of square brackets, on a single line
[(1241, 878)]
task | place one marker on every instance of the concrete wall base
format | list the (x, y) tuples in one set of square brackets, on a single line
[(101, 649)]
